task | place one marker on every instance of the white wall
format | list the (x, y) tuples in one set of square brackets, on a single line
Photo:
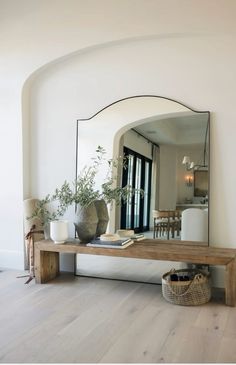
[(173, 189), (194, 152), (184, 50), (168, 183)]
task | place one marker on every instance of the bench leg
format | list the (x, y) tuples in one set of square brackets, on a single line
[(230, 284), (46, 266)]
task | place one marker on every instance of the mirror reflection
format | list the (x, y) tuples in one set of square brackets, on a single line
[(168, 159)]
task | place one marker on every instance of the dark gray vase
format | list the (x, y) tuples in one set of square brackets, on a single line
[(103, 217), (86, 222)]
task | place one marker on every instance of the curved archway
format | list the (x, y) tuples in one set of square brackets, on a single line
[(27, 119), (51, 63)]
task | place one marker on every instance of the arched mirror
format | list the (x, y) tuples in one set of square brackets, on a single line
[(168, 148)]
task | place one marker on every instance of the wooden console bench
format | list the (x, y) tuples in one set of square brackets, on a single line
[(47, 257)]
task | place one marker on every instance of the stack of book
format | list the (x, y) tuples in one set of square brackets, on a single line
[(120, 244), (137, 237), (129, 233)]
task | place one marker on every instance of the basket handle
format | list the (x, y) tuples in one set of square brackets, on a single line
[(196, 278)]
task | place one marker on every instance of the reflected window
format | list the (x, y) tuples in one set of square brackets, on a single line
[(135, 212)]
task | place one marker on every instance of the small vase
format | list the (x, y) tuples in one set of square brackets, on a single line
[(103, 217), (59, 231), (86, 222)]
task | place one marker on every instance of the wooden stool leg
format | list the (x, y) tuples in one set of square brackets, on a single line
[(230, 283), (46, 265)]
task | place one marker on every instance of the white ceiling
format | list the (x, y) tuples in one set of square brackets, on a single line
[(177, 130)]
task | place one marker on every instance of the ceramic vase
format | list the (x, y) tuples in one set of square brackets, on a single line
[(103, 217), (86, 222), (59, 232)]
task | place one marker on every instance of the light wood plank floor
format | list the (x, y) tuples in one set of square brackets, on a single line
[(88, 320)]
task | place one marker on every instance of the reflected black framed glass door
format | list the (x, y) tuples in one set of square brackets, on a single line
[(137, 174)]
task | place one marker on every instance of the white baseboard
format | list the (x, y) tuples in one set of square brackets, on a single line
[(12, 259)]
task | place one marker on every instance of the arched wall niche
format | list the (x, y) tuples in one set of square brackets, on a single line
[(83, 97), (107, 126), (38, 116)]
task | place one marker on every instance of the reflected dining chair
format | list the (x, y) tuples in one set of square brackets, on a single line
[(165, 222)]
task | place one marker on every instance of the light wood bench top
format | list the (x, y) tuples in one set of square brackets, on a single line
[(47, 257), (185, 251)]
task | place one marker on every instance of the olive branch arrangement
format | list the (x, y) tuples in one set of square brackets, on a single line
[(82, 191)]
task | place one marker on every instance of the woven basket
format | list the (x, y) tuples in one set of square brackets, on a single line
[(195, 291)]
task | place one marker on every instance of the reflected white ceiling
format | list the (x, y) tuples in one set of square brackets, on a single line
[(190, 129)]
